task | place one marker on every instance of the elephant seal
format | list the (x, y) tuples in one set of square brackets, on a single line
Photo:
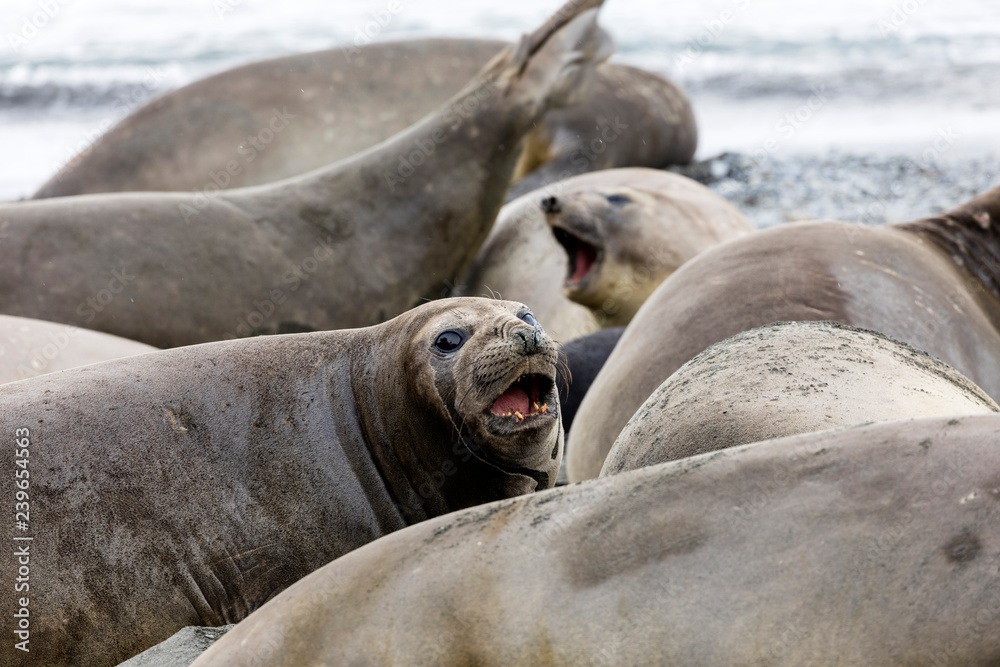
[(604, 240), (624, 239), (349, 245), (788, 378), (32, 347), (189, 486), (340, 102), (933, 284), (873, 545)]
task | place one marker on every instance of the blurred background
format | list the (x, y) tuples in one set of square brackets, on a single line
[(773, 79)]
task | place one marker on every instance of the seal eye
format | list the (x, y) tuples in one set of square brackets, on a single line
[(618, 200), (449, 341), (529, 319)]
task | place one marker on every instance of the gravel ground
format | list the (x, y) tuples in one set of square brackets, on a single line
[(857, 188)]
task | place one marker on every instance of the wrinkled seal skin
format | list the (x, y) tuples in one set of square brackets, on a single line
[(330, 105), (189, 486), (660, 221), (873, 545), (932, 284), (350, 245), (29, 348), (785, 379)]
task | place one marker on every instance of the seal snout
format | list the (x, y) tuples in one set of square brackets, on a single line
[(530, 338), (551, 205)]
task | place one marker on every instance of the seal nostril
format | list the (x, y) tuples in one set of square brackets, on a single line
[(531, 340), (550, 205)]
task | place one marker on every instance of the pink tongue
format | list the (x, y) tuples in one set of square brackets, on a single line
[(584, 263), (514, 399)]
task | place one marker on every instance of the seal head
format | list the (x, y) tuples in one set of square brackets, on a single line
[(622, 239), (481, 375)]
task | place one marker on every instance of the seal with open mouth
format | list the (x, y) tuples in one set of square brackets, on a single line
[(932, 283), (625, 234), (586, 252), (201, 481)]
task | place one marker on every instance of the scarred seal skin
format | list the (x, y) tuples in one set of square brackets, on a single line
[(871, 545), (190, 486), (784, 379), (933, 284), (349, 245)]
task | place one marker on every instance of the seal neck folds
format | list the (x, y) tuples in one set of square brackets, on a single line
[(970, 235)]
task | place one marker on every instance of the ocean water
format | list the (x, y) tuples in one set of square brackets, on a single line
[(768, 77)]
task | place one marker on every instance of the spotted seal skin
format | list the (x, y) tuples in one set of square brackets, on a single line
[(931, 284), (283, 117), (586, 252), (190, 486), (784, 379), (871, 545), (349, 245)]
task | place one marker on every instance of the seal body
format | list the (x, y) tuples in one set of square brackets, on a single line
[(599, 242), (349, 245), (279, 118), (929, 284), (784, 379), (189, 486), (867, 545), (32, 347)]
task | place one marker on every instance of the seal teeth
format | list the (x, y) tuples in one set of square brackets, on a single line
[(524, 398)]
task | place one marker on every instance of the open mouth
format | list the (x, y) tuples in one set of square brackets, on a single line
[(582, 256), (528, 396)]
